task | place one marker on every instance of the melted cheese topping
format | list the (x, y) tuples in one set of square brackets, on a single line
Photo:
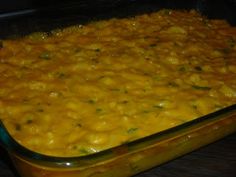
[(87, 88)]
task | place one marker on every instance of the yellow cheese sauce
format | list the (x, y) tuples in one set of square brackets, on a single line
[(90, 87)]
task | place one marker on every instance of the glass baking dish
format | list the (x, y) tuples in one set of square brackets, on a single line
[(133, 157), (127, 159)]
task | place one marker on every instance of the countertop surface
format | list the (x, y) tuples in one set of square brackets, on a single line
[(215, 160)]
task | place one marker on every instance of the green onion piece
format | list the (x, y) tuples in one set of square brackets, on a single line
[(198, 68), (201, 87), (91, 101), (29, 121), (97, 50), (98, 110), (61, 75), (132, 130), (231, 42), (173, 84), (182, 69), (83, 151), (18, 127), (153, 45), (45, 55)]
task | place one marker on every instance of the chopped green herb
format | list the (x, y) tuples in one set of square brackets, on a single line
[(77, 50), (29, 121), (125, 91), (74, 147), (91, 101), (125, 142), (194, 106), (146, 74), (144, 90), (95, 61), (218, 106), (97, 50), (157, 38), (40, 110), (176, 44), (78, 125), (18, 127), (61, 75), (132, 130), (225, 50), (38, 36), (124, 102), (45, 55), (205, 21), (173, 84), (153, 45), (201, 87), (231, 42), (198, 68), (146, 37), (119, 90), (167, 11), (134, 167), (182, 69), (157, 78), (83, 151), (25, 100), (98, 110), (145, 111)]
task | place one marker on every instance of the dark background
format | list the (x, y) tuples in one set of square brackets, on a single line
[(20, 17), (8, 6)]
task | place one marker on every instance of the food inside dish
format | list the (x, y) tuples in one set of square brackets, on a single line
[(87, 88)]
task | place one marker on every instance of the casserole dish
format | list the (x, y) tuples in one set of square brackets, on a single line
[(130, 158)]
